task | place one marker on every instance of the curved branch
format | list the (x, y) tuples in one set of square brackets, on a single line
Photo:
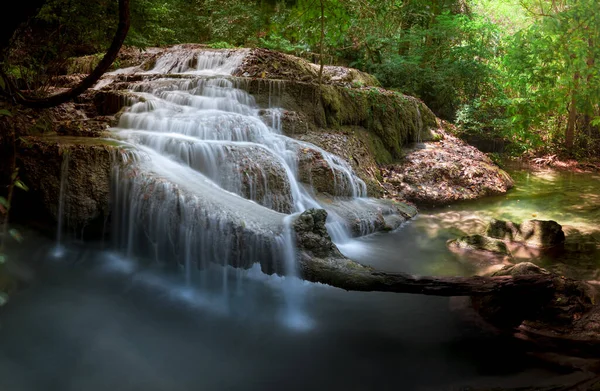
[(90, 80)]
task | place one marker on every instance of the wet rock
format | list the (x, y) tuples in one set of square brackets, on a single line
[(364, 216), (255, 174), (393, 118), (520, 269), (312, 237), (90, 163), (359, 148), (479, 242), (327, 173), (560, 308), (535, 233)]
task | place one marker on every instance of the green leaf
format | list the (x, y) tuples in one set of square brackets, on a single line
[(2, 259), (4, 111), (21, 185)]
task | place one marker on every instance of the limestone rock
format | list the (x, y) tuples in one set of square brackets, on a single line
[(479, 242), (364, 216), (312, 236), (90, 163), (535, 233)]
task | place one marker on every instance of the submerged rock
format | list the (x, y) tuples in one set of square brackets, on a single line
[(560, 307), (535, 233), (479, 242)]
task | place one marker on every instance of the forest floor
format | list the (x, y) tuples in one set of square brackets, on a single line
[(442, 172), (556, 162)]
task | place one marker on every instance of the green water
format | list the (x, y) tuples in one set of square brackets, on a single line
[(571, 199)]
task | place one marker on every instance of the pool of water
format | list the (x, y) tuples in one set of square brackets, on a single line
[(571, 199), (92, 320)]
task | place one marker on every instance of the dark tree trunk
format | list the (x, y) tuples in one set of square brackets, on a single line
[(321, 43), (348, 275), (90, 80)]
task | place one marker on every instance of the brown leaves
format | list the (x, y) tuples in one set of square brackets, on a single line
[(443, 172)]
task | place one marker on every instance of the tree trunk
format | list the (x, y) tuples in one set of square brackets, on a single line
[(90, 80), (321, 43), (349, 275), (572, 116)]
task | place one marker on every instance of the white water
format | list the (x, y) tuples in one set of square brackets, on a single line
[(214, 181), (59, 249)]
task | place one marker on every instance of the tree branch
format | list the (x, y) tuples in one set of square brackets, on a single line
[(89, 81)]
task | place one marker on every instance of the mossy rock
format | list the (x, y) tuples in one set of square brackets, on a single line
[(479, 242)]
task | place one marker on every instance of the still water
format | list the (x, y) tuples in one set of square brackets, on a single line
[(93, 320)]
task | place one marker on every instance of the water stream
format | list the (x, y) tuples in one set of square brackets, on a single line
[(208, 162), (96, 319)]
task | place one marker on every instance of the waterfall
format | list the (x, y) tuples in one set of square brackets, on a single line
[(59, 249), (214, 182)]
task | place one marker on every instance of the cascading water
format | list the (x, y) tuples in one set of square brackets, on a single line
[(213, 183), (59, 249)]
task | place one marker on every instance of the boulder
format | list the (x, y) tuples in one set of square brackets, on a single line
[(479, 242), (364, 216), (312, 237), (534, 233), (563, 306), (84, 164)]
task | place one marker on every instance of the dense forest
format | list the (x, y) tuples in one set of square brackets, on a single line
[(521, 72)]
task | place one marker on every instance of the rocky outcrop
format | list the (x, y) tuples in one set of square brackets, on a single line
[(535, 233), (312, 238), (394, 118), (358, 147), (364, 216), (564, 309), (444, 171), (83, 164)]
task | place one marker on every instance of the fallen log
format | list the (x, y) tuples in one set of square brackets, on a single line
[(349, 275), (523, 292), (321, 261)]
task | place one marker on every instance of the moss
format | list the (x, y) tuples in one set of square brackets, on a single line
[(480, 242), (376, 148)]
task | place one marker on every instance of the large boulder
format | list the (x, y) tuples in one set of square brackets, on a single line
[(84, 167), (535, 233), (556, 309), (444, 171)]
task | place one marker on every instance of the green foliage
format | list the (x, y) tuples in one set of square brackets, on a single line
[(514, 69), (220, 45), (551, 67), (277, 42)]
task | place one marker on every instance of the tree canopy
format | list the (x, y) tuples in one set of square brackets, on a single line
[(525, 71)]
